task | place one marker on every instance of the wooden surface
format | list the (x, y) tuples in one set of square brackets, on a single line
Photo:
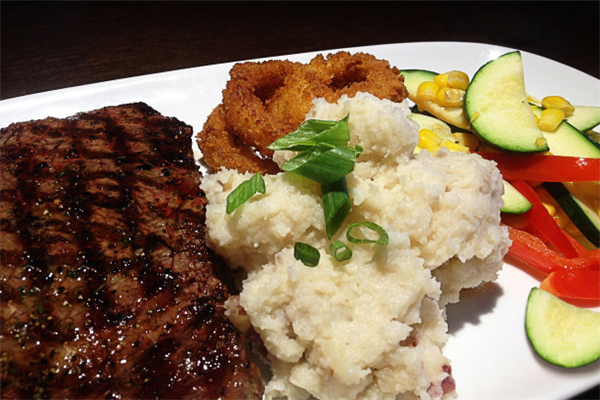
[(53, 45)]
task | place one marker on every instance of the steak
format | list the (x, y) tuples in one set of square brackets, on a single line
[(108, 289)]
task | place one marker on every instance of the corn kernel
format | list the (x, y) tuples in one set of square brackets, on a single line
[(551, 209), (541, 142), (427, 91), (450, 97), (441, 80), (467, 139), (560, 103), (550, 119), (429, 140), (458, 80), (452, 146)]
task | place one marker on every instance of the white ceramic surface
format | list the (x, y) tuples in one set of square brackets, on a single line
[(491, 357)]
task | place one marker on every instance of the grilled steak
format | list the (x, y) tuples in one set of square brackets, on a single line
[(107, 287)]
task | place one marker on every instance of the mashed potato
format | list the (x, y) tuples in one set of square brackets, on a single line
[(372, 327)]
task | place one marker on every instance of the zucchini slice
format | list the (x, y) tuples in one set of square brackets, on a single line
[(561, 333), (582, 215), (514, 201), (566, 140), (496, 105), (438, 126), (585, 118), (413, 78)]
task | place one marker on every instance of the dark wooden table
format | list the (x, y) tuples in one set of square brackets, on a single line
[(53, 45)]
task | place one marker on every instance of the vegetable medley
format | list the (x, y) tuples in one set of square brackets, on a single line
[(548, 155)]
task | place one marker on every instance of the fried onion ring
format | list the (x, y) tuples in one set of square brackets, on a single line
[(247, 99), (263, 101), (222, 149)]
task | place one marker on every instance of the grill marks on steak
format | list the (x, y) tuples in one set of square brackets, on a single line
[(107, 287)]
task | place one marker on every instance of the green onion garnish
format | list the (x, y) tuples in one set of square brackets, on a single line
[(307, 254), (383, 236), (244, 191), (340, 251), (336, 205), (313, 132), (323, 163)]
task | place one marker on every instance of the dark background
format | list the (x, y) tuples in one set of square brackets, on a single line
[(53, 45)]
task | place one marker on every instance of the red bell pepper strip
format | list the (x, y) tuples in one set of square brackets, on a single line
[(545, 168), (543, 222), (578, 284), (533, 251)]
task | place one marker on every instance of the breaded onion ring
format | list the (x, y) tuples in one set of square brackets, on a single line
[(222, 149), (246, 99)]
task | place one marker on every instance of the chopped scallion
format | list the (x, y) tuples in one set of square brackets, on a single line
[(323, 163), (313, 132), (306, 253), (336, 205), (340, 251), (244, 192), (383, 236)]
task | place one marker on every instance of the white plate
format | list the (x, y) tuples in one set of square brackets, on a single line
[(491, 357)]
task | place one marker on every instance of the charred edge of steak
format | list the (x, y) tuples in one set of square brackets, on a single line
[(107, 287)]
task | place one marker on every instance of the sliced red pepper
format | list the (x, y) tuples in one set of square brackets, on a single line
[(533, 251), (545, 168), (543, 222), (578, 284)]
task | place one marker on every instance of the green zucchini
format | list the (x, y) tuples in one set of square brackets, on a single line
[(581, 214), (497, 107), (585, 118), (566, 140), (562, 333), (438, 126), (514, 201), (413, 78)]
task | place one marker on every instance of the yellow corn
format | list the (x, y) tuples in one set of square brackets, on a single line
[(560, 103), (450, 97), (458, 80), (441, 80), (551, 209), (427, 91), (467, 139), (541, 142), (550, 119), (429, 140), (452, 146)]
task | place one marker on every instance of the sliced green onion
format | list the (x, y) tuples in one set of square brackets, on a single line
[(323, 163), (307, 254), (336, 205), (340, 251), (383, 236), (244, 191), (313, 132)]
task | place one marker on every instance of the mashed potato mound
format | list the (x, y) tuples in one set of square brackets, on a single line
[(372, 327)]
